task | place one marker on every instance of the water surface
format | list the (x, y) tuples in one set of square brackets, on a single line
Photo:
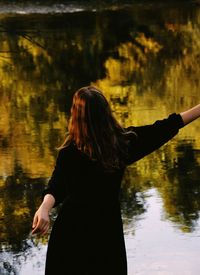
[(146, 60)]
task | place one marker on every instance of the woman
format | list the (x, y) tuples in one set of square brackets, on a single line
[(87, 235)]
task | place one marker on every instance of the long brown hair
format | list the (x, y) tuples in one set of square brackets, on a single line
[(94, 129)]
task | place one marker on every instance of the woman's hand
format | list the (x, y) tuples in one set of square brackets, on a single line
[(41, 220)]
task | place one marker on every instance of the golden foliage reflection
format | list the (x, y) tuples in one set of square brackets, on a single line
[(145, 77)]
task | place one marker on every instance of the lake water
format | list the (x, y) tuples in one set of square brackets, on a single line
[(145, 58)]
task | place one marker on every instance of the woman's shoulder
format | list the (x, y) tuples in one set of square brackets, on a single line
[(66, 150)]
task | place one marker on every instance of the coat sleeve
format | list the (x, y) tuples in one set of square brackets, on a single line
[(57, 184), (148, 138)]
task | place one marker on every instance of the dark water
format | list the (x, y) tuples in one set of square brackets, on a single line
[(145, 58)]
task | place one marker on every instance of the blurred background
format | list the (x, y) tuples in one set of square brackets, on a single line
[(145, 57)]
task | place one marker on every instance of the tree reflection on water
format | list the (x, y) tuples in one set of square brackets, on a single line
[(144, 58)]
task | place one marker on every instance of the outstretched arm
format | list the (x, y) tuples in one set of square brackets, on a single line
[(191, 114), (151, 137)]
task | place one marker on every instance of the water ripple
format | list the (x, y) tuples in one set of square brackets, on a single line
[(41, 9)]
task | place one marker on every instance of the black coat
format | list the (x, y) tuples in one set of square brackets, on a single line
[(87, 235)]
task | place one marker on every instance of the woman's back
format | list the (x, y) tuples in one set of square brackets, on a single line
[(84, 180), (88, 228)]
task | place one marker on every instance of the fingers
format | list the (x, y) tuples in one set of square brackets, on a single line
[(41, 227), (35, 229), (45, 229), (35, 220)]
